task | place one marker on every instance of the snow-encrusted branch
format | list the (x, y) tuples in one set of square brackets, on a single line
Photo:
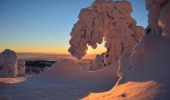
[(154, 8)]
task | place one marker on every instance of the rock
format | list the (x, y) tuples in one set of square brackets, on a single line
[(37, 66)]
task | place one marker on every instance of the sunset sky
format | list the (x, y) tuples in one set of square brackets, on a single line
[(43, 26)]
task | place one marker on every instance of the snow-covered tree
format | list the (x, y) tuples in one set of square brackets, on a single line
[(8, 60), (150, 59), (107, 21)]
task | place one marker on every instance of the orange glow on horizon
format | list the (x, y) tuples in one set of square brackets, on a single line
[(53, 50), (99, 50), (50, 51)]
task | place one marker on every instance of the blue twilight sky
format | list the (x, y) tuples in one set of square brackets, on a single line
[(44, 25)]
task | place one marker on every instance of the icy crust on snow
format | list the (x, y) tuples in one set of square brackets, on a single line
[(8, 60), (110, 21)]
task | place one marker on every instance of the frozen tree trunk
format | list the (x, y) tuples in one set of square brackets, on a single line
[(8, 60), (107, 21)]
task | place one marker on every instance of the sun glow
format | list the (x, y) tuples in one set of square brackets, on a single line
[(100, 49), (88, 51)]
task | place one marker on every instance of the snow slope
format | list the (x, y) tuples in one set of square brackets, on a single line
[(57, 84), (146, 71), (131, 91), (70, 70)]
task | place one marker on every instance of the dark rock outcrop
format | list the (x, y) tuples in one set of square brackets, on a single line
[(38, 66)]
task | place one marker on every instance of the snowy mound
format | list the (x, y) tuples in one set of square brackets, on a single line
[(131, 91), (68, 69), (8, 60), (65, 68)]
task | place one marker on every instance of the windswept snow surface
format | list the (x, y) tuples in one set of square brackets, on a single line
[(64, 81), (130, 91)]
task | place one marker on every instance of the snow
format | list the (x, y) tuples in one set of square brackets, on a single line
[(60, 85), (143, 75), (148, 62), (70, 70), (8, 60), (151, 55), (154, 7), (141, 63), (130, 91), (165, 21), (13, 80), (110, 21), (99, 62)]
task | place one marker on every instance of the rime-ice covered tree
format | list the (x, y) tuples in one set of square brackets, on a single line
[(150, 59), (107, 21), (8, 60)]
